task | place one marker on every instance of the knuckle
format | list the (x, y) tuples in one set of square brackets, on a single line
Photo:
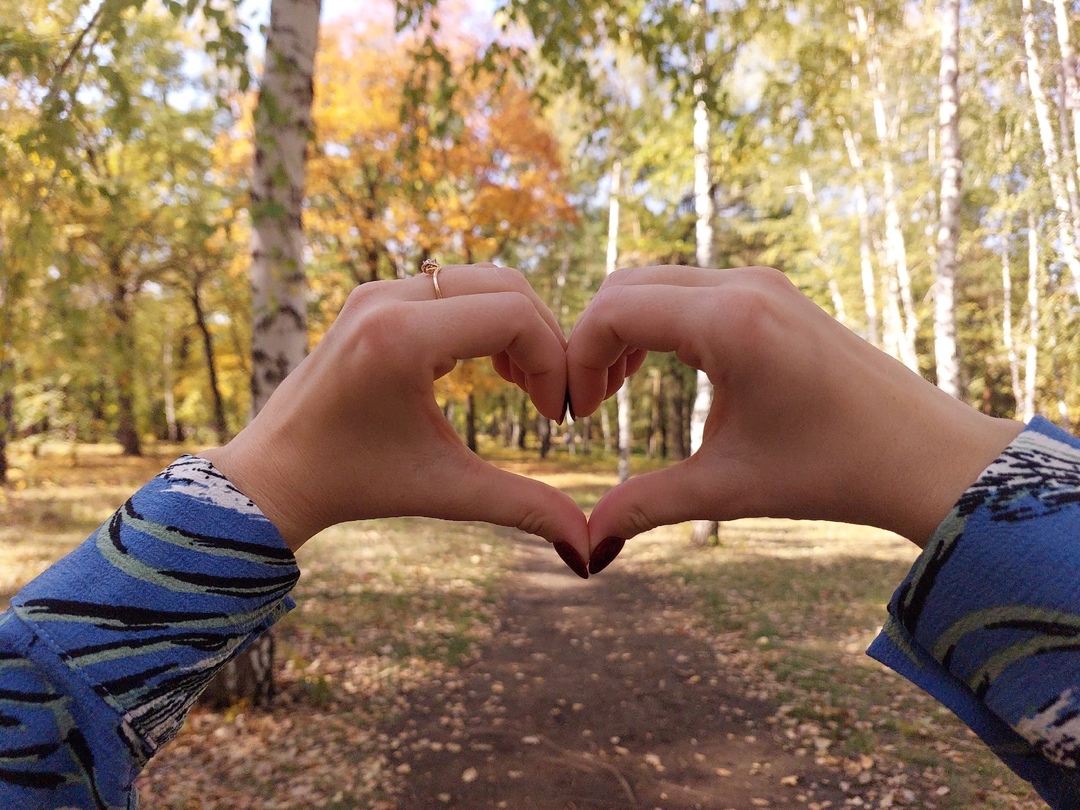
[(639, 519), (607, 297), (512, 279), (382, 328), (768, 277), (533, 521), (621, 276), (364, 295)]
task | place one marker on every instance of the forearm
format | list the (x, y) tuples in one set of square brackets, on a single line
[(103, 654), (988, 620)]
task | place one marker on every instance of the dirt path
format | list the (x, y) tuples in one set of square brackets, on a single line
[(594, 695)]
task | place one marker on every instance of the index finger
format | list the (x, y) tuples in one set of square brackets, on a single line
[(649, 317)]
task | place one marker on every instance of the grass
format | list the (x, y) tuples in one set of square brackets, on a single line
[(794, 606)]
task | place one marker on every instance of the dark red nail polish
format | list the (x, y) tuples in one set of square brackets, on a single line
[(604, 553), (570, 405), (571, 558)]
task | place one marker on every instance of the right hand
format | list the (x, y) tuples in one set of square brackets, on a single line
[(808, 420)]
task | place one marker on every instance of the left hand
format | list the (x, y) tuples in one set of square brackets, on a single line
[(354, 432)]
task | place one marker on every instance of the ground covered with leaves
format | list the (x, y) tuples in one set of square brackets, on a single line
[(456, 665)]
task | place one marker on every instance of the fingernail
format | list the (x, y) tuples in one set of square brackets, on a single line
[(572, 558), (569, 406), (604, 553)]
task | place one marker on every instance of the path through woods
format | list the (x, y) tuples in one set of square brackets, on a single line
[(597, 695)]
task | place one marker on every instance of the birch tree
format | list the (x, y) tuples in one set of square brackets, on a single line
[(948, 236), (702, 530), (279, 308), (622, 397), (282, 131), (1069, 67), (1031, 359), (899, 285), (1066, 236)]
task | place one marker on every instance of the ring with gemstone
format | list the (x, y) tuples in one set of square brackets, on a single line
[(432, 267)]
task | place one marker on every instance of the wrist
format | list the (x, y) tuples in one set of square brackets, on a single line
[(262, 477), (946, 462)]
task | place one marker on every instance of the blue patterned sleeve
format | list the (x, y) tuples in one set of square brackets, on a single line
[(103, 654), (988, 619)]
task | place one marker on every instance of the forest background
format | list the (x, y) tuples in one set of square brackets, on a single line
[(554, 137), (184, 212)]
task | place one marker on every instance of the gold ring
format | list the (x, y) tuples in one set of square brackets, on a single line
[(432, 267)]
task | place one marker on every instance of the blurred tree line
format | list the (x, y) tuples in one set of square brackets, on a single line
[(127, 140)]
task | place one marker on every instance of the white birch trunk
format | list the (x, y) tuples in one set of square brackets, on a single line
[(895, 247), (1067, 159), (839, 312), (1066, 237), (1032, 356), (1007, 337), (948, 236), (866, 262), (170, 395), (703, 208), (622, 397), (282, 131), (1072, 84), (278, 292)]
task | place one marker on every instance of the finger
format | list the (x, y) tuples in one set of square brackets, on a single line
[(616, 376), (660, 498), (482, 492), (672, 274), (634, 361), (486, 324), (501, 363), (518, 377), (639, 317), (456, 280)]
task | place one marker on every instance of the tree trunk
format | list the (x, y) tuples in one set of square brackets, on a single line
[(655, 418), (283, 128), (605, 427), (1007, 327), (1031, 358), (1066, 237), (520, 432), (1068, 158), (622, 400), (470, 422), (895, 247), (807, 183), (622, 397), (866, 249), (1069, 64), (543, 432), (219, 424), (702, 530), (677, 432), (172, 430), (948, 236), (7, 414), (127, 431)]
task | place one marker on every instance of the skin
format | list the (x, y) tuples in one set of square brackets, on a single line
[(808, 420), (355, 431)]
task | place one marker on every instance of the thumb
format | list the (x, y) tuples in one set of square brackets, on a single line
[(641, 503), (496, 496)]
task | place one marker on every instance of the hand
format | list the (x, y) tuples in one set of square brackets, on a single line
[(808, 420), (354, 431)]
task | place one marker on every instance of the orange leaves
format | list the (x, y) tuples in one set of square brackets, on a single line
[(384, 191)]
